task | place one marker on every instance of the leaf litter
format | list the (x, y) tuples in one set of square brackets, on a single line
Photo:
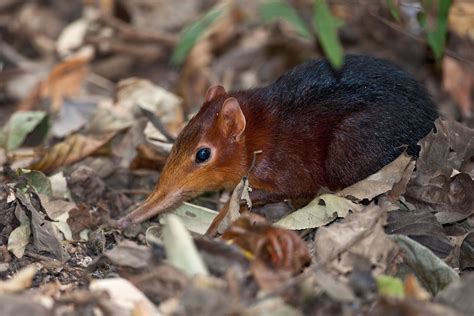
[(93, 129)]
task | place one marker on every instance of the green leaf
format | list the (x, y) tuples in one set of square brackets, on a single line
[(278, 10), (390, 287), (326, 28), (393, 10), (437, 36), (191, 34), (20, 125), (39, 181)]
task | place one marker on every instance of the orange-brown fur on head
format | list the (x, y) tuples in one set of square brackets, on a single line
[(220, 126)]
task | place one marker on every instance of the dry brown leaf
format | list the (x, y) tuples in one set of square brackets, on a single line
[(72, 149), (413, 289), (64, 80), (458, 81), (389, 177), (278, 247), (359, 234), (460, 18), (135, 93)]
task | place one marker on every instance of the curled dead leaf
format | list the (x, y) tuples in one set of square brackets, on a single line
[(74, 148), (278, 247)]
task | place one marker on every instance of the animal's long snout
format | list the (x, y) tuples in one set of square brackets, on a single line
[(158, 202)]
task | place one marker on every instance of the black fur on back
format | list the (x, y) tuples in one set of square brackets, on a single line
[(354, 121)]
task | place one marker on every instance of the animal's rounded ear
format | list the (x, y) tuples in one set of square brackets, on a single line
[(214, 92), (231, 119)]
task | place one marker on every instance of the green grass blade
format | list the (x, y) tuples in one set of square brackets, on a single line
[(437, 36), (393, 10), (191, 34), (278, 10), (326, 28)]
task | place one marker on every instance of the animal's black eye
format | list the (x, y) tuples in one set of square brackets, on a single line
[(203, 154)]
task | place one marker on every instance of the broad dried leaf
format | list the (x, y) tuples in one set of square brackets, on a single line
[(194, 217), (449, 147), (359, 234), (129, 254), (74, 148), (64, 80), (421, 226), (18, 240), (180, 248), (321, 211), (277, 247), (433, 273), (72, 116), (382, 181), (126, 298), (135, 93)]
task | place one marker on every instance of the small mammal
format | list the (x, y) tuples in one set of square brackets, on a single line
[(315, 127)]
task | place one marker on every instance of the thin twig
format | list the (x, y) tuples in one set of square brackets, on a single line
[(130, 32), (416, 38), (158, 124)]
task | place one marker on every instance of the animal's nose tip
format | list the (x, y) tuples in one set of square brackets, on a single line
[(123, 223)]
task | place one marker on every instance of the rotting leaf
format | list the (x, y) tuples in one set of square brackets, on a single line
[(73, 149), (433, 273), (278, 247), (321, 211), (359, 234), (382, 181), (129, 254)]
